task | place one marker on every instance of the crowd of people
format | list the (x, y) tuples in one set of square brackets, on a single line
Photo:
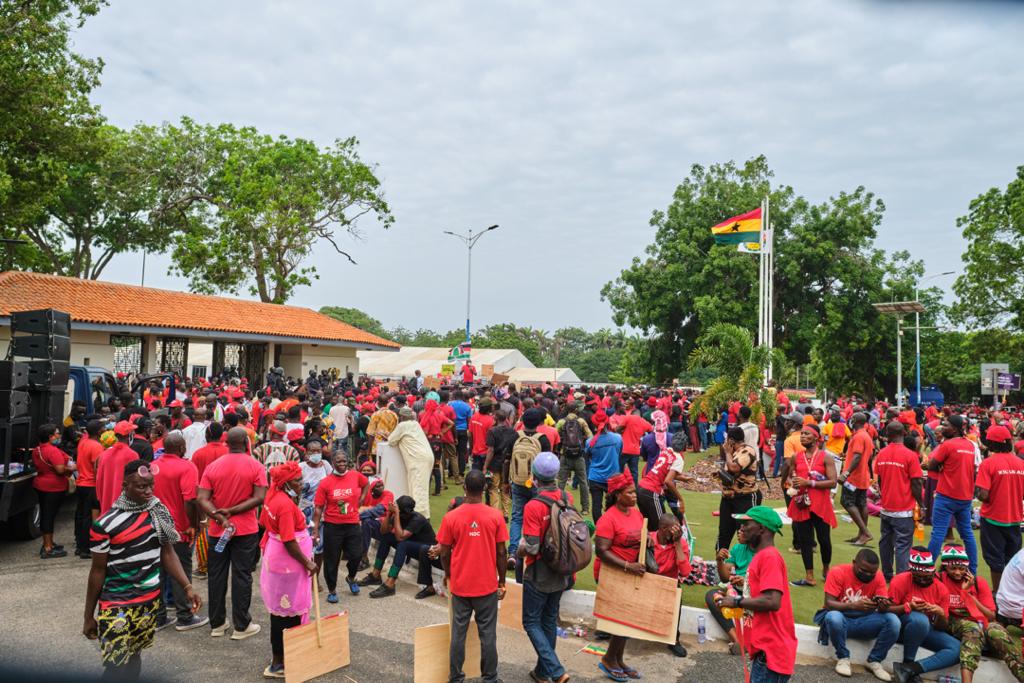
[(223, 477)]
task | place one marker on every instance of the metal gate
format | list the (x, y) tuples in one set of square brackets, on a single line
[(129, 356), (243, 360), (172, 355)]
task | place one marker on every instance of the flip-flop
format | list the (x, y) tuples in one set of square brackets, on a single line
[(802, 583), (614, 674), (632, 673), (863, 544)]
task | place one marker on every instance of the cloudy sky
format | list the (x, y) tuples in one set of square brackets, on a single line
[(568, 123)]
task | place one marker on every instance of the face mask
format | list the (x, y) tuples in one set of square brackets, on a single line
[(291, 492), (55, 441), (340, 473), (315, 459)]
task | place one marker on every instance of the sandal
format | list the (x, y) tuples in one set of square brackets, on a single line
[(803, 583), (614, 674), (632, 673)]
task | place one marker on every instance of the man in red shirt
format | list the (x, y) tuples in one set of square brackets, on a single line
[(771, 632), (1000, 488), (632, 427), (468, 373), (473, 553), (229, 492), (542, 588), (856, 606), (954, 461), (901, 484), (89, 449), (479, 425), (337, 505), (214, 448), (922, 604), (110, 470), (174, 482), (856, 479), (672, 555)]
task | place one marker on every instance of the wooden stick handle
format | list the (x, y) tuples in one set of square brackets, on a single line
[(316, 603)]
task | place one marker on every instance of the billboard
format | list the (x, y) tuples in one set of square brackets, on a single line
[(989, 376), (1008, 381)]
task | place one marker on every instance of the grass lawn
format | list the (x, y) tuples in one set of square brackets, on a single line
[(704, 526)]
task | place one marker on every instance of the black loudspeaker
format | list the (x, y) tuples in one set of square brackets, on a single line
[(13, 404), (48, 374), (46, 321), (13, 375), (46, 406), (56, 347)]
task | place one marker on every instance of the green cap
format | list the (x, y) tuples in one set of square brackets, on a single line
[(764, 516)]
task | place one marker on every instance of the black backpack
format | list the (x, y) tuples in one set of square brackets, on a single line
[(572, 437)]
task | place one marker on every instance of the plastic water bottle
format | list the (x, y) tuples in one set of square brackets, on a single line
[(562, 633), (222, 542), (702, 630), (948, 678)]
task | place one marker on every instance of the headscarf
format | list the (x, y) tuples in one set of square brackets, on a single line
[(622, 480), (660, 420), (600, 422), (284, 473), (432, 418)]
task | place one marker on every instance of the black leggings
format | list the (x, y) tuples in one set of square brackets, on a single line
[(716, 612), (804, 533), (49, 505), (277, 627), (651, 506)]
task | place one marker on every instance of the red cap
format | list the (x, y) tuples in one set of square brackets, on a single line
[(124, 428), (999, 434), (296, 435), (175, 404)]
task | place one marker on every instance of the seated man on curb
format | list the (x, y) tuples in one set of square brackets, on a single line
[(732, 567), (672, 555), (405, 530), (372, 510), (430, 556), (922, 604), (856, 606)]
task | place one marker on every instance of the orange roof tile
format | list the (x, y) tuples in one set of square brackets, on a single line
[(93, 301)]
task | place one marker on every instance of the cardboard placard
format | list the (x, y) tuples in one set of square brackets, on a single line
[(431, 382), (648, 604), (498, 379), (391, 468), (510, 608), (448, 369), (316, 648), (430, 652), (487, 369)]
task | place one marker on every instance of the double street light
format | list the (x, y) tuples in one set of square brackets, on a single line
[(470, 240)]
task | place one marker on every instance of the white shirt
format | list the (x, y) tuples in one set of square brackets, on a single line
[(339, 415), (751, 435), (195, 438), (1010, 597)]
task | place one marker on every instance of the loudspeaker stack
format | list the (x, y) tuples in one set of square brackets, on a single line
[(35, 377)]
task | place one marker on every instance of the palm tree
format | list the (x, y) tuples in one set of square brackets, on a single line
[(730, 350)]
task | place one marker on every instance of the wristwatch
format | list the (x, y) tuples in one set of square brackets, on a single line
[(736, 600)]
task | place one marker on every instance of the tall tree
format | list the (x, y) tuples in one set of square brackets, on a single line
[(356, 318), (990, 290), (250, 208), (730, 350)]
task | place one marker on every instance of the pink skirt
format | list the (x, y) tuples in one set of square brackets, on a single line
[(284, 583)]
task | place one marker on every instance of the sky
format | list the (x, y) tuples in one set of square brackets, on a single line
[(568, 123)]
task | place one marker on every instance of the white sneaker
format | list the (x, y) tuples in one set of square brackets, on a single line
[(879, 672), (219, 631), (250, 630), (842, 667)]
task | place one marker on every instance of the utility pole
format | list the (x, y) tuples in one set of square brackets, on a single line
[(470, 240)]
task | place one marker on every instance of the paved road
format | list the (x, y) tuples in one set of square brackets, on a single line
[(41, 619)]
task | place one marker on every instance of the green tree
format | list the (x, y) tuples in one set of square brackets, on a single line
[(990, 290), (250, 208), (741, 365), (510, 336), (356, 318)]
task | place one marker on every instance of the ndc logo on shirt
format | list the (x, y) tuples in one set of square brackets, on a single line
[(474, 528)]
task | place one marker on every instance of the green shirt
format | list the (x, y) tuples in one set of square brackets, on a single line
[(740, 556)]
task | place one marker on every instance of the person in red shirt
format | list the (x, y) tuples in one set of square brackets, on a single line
[(1000, 488), (771, 631), (811, 508), (856, 606), (110, 470), (856, 479), (901, 485), (53, 469), (337, 506), (660, 482), (953, 459), (174, 482), (479, 425), (632, 427), (474, 556), (86, 454), (672, 555), (229, 492), (468, 373), (922, 604), (214, 448)]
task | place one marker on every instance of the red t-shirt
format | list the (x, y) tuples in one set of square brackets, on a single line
[(624, 529), (386, 498), (654, 479), (860, 442), (282, 517), (537, 518), (1002, 475), (633, 429), (174, 483), (896, 465), (551, 433), (773, 633), (232, 479), (207, 454), (844, 585), (110, 473), (85, 458), (956, 480), (668, 562), (902, 588), (448, 436), (473, 531), (45, 457), (468, 371), (958, 597), (478, 426), (339, 496)]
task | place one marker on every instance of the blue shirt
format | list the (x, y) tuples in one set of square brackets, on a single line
[(604, 456), (463, 411), (649, 450)]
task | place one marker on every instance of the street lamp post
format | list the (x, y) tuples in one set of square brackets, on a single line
[(899, 309), (470, 240), (917, 331)]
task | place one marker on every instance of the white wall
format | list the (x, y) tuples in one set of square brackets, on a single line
[(87, 347)]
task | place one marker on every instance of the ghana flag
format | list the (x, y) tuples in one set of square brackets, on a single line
[(739, 229)]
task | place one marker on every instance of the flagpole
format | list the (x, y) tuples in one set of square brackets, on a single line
[(770, 256), (760, 283)]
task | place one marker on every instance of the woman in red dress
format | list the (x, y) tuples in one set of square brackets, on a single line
[(814, 477)]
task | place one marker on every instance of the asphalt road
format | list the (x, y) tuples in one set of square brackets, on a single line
[(41, 619)]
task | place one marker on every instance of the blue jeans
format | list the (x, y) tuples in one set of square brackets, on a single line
[(633, 463), (702, 434), (945, 510), (520, 497), (540, 621), (760, 673), (403, 550), (780, 452), (918, 632), (839, 626)]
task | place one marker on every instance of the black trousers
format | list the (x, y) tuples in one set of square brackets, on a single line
[(277, 627), (728, 507), (239, 557), (49, 505), (651, 506), (598, 490), (462, 448), (804, 533), (716, 611), (424, 576), (85, 500), (341, 539), (181, 604)]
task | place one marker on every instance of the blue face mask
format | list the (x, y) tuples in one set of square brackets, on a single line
[(315, 459)]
